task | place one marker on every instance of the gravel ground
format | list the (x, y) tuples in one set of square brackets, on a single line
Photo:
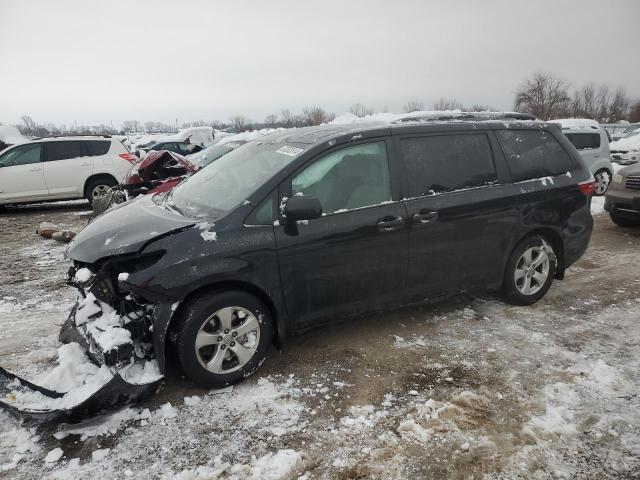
[(467, 388)]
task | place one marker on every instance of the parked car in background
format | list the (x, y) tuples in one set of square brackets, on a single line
[(185, 142), (182, 148), (62, 168), (631, 127), (316, 224), (623, 198), (158, 172), (626, 151), (592, 143), (213, 152)]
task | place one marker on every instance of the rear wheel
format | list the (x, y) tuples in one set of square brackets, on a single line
[(530, 271), (603, 179), (223, 337), (99, 187), (624, 221)]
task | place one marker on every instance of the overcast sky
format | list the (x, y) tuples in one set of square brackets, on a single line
[(97, 62)]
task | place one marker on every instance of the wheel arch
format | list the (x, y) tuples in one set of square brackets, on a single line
[(94, 177), (553, 237), (236, 285)]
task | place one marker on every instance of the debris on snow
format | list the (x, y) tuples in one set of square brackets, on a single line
[(100, 454), (54, 455)]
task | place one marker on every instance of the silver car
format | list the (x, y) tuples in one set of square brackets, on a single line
[(593, 144)]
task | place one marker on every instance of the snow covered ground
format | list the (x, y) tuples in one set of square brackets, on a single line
[(465, 388)]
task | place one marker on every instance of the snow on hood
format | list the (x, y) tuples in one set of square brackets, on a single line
[(631, 142), (11, 135)]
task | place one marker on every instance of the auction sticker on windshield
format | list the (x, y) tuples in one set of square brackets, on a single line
[(291, 151)]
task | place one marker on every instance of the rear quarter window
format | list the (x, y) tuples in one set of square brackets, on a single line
[(96, 148), (444, 163), (584, 141), (533, 154)]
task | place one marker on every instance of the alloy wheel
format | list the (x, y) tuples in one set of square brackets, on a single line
[(227, 340), (532, 270), (602, 182), (100, 190)]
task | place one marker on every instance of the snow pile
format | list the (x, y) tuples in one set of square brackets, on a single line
[(107, 330), (17, 442), (54, 455), (104, 425), (205, 231), (575, 123), (82, 275), (11, 135), (75, 376), (271, 466), (630, 142), (140, 373)]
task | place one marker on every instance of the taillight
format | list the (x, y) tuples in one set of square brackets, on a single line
[(129, 157), (588, 187)]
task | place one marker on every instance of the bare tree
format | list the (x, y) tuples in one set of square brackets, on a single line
[(240, 123), (316, 115), (480, 108), (271, 120), (543, 95), (447, 104), (413, 106), (286, 117), (599, 103), (359, 110)]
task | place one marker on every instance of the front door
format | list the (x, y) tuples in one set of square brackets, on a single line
[(353, 258), (21, 174), (67, 165)]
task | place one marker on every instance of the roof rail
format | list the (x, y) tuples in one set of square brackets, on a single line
[(72, 135), (462, 116)]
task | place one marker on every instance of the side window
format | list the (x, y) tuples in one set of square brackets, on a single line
[(349, 178), (533, 154), (263, 214), (584, 141), (444, 163), (95, 148), (23, 155), (188, 148), (64, 150)]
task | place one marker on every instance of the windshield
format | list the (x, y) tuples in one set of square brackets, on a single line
[(230, 180), (209, 154)]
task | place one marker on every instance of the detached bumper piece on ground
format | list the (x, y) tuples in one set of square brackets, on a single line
[(120, 366)]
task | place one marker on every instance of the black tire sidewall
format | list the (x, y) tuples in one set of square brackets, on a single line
[(193, 315), (623, 221), (511, 292)]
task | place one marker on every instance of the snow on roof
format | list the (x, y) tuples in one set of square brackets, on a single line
[(11, 135), (428, 115), (575, 123)]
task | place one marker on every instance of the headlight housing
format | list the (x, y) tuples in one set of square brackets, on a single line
[(617, 178)]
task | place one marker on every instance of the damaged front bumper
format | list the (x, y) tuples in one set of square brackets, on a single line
[(118, 329)]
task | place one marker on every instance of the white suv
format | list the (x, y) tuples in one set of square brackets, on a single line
[(62, 168)]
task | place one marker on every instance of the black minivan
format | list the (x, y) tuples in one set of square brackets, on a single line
[(313, 224)]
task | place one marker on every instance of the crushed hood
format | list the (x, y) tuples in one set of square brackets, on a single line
[(125, 229)]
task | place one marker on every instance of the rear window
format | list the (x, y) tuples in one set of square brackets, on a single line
[(64, 150), (533, 154), (438, 164), (584, 141), (97, 147)]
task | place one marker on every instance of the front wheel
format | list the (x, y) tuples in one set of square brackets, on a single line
[(603, 179), (223, 337), (530, 271), (98, 188)]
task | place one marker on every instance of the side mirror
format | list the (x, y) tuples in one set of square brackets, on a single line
[(302, 208)]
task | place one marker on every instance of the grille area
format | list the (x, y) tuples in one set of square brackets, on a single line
[(633, 182)]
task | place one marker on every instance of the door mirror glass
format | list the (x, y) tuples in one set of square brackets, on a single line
[(302, 208)]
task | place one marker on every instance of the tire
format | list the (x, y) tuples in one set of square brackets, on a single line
[(603, 180), (624, 221), (518, 272), (230, 357), (98, 187)]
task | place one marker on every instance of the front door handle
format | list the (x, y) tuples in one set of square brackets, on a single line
[(390, 224), (37, 169), (425, 216)]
